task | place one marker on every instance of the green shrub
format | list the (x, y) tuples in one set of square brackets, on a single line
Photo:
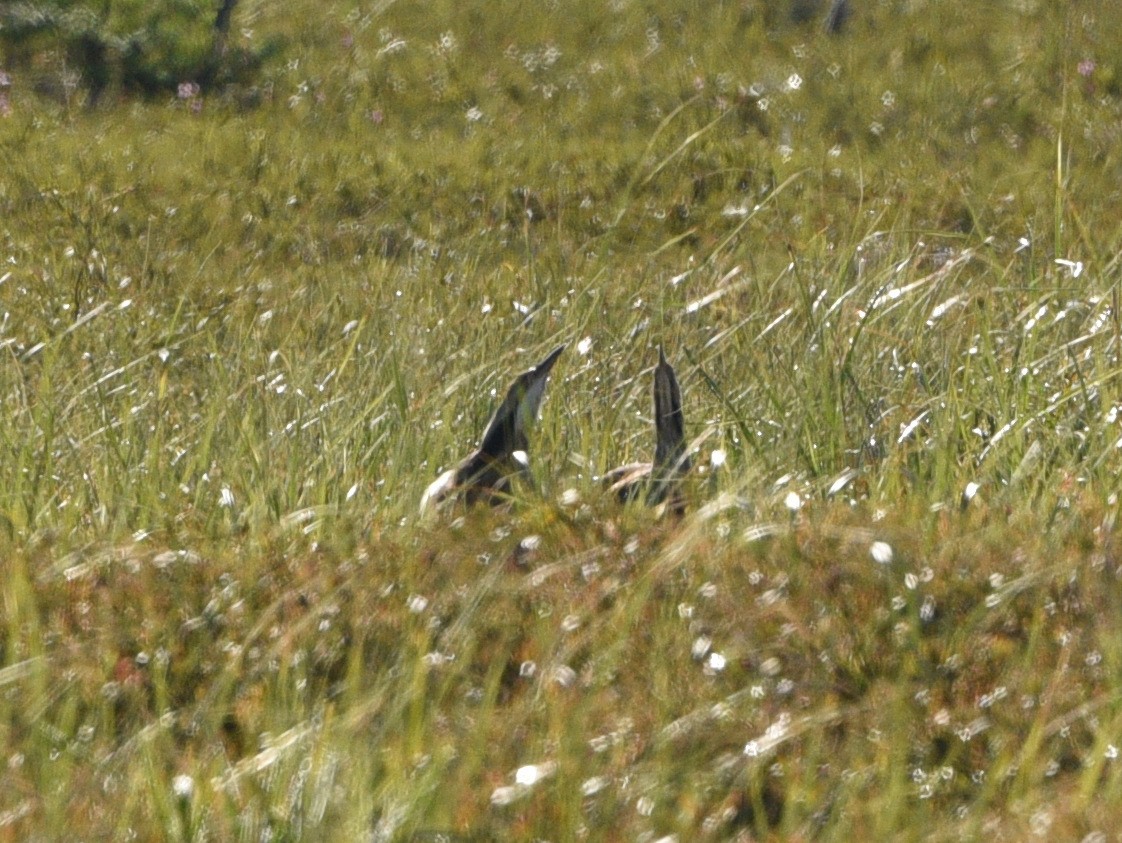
[(134, 45)]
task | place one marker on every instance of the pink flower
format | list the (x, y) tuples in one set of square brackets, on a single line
[(1086, 67)]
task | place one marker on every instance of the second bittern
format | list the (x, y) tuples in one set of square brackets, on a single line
[(659, 480)]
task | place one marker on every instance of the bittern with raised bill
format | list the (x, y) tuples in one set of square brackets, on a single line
[(485, 475), (659, 480)]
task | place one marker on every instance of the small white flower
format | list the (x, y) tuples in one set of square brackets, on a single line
[(530, 774), (594, 785), (881, 553), (701, 647), (505, 795), (716, 662), (1075, 268), (570, 497), (183, 786), (564, 675), (793, 502)]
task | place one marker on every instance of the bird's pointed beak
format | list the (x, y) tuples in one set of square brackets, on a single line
[(543, 368), (533, 390)]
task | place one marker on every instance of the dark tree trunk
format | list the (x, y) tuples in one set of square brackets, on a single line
[(211, 68), (222, 19)]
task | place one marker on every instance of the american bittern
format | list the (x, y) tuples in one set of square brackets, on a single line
[(660, 479), (485, 474)]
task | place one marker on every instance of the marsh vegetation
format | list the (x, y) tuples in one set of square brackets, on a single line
[(243, 327)]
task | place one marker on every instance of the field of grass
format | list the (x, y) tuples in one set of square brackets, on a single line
[(242, 330)]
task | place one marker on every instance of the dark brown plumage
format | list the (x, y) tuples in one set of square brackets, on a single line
[(661, 479), (485, 474)]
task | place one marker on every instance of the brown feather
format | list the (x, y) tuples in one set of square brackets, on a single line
[(660, 479), (484, 476)]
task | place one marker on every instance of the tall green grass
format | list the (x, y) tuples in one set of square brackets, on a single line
[(239, 341)]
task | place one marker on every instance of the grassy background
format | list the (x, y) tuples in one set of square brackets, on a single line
[(241, 332)]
